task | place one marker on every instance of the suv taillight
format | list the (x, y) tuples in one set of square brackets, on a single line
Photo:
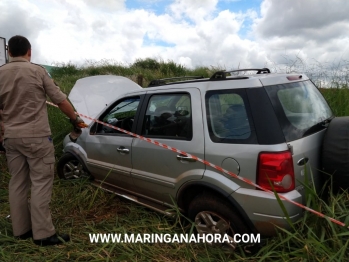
[(278, 168)]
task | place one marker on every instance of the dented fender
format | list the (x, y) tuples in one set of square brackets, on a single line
[(77, 151)]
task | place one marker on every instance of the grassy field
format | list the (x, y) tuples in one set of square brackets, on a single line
[(78, 208)]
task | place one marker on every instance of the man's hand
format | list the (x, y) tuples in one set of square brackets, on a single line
[(78, 123)]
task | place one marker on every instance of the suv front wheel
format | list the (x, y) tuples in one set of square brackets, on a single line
[(69, 167), (213, 215)]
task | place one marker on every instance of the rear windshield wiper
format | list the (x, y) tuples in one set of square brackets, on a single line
[(318, 126), (326, 122)]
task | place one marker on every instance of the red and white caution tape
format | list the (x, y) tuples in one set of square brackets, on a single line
[(211, 165)]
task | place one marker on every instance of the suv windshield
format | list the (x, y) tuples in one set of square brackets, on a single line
[(300, 107)]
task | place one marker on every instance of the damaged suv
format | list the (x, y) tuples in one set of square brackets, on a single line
[(265, 127)]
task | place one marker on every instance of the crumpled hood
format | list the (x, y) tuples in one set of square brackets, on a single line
[(92, 94)]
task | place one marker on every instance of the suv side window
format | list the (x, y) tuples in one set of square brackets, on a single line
[(227, 117), (121, 114), (169, 116)]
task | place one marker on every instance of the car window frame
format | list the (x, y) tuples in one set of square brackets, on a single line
[(252, 139), (94, 127), (144, 108)]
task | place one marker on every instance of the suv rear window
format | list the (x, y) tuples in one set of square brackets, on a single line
[(300, 108)]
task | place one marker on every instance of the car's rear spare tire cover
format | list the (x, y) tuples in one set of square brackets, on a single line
[(335, 153)]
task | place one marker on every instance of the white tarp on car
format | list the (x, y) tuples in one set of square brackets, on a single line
[(91, 94)]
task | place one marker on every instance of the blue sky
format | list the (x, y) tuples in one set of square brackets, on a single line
[(221, 33), (160, 7), (239, 5)]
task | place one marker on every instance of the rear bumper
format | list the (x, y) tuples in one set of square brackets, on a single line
[(264, 210)]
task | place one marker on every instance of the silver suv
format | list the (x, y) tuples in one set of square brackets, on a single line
[(265, 127)]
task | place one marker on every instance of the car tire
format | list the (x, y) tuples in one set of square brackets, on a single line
[(335, 154), (214, 215), (69, 167)]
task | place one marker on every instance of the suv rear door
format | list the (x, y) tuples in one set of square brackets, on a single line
[(172, 117), (303, 115), (232, 142)]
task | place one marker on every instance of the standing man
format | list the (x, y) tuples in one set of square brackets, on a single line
[(29, 148)]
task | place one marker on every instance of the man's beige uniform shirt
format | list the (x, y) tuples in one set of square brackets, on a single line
[(23, 90)]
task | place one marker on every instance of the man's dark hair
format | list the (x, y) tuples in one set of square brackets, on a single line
[(18, 45)]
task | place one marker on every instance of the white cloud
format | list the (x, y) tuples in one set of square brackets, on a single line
[(313, 30), (194, 32), (195, 10), (16, 20), (106, 5), (285, 18)]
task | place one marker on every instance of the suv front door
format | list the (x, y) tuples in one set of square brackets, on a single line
[(109, 150)]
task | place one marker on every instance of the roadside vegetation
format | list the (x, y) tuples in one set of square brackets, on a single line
[(78, 208)]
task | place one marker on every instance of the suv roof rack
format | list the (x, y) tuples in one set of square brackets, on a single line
[(163, 81), (219, 75), (223, 74)]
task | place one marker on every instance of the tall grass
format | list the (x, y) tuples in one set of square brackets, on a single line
[(78, 208), (332, 74), (338, 100)]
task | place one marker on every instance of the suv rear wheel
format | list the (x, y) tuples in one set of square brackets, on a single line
[(69, 167), (213, 215)]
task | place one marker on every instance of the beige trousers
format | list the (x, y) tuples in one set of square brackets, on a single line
[(31, 165), (1, 127)]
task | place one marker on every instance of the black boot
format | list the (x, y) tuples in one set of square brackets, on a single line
[(2, 149), (53, 240), (25, 236)]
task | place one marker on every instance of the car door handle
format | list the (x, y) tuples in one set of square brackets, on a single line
[(185, 158), (122, 149)]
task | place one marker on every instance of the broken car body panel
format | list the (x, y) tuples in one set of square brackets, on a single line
[(91, 94)]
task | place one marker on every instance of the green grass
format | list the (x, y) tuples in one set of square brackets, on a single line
[(338, 99), (78, 208)]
